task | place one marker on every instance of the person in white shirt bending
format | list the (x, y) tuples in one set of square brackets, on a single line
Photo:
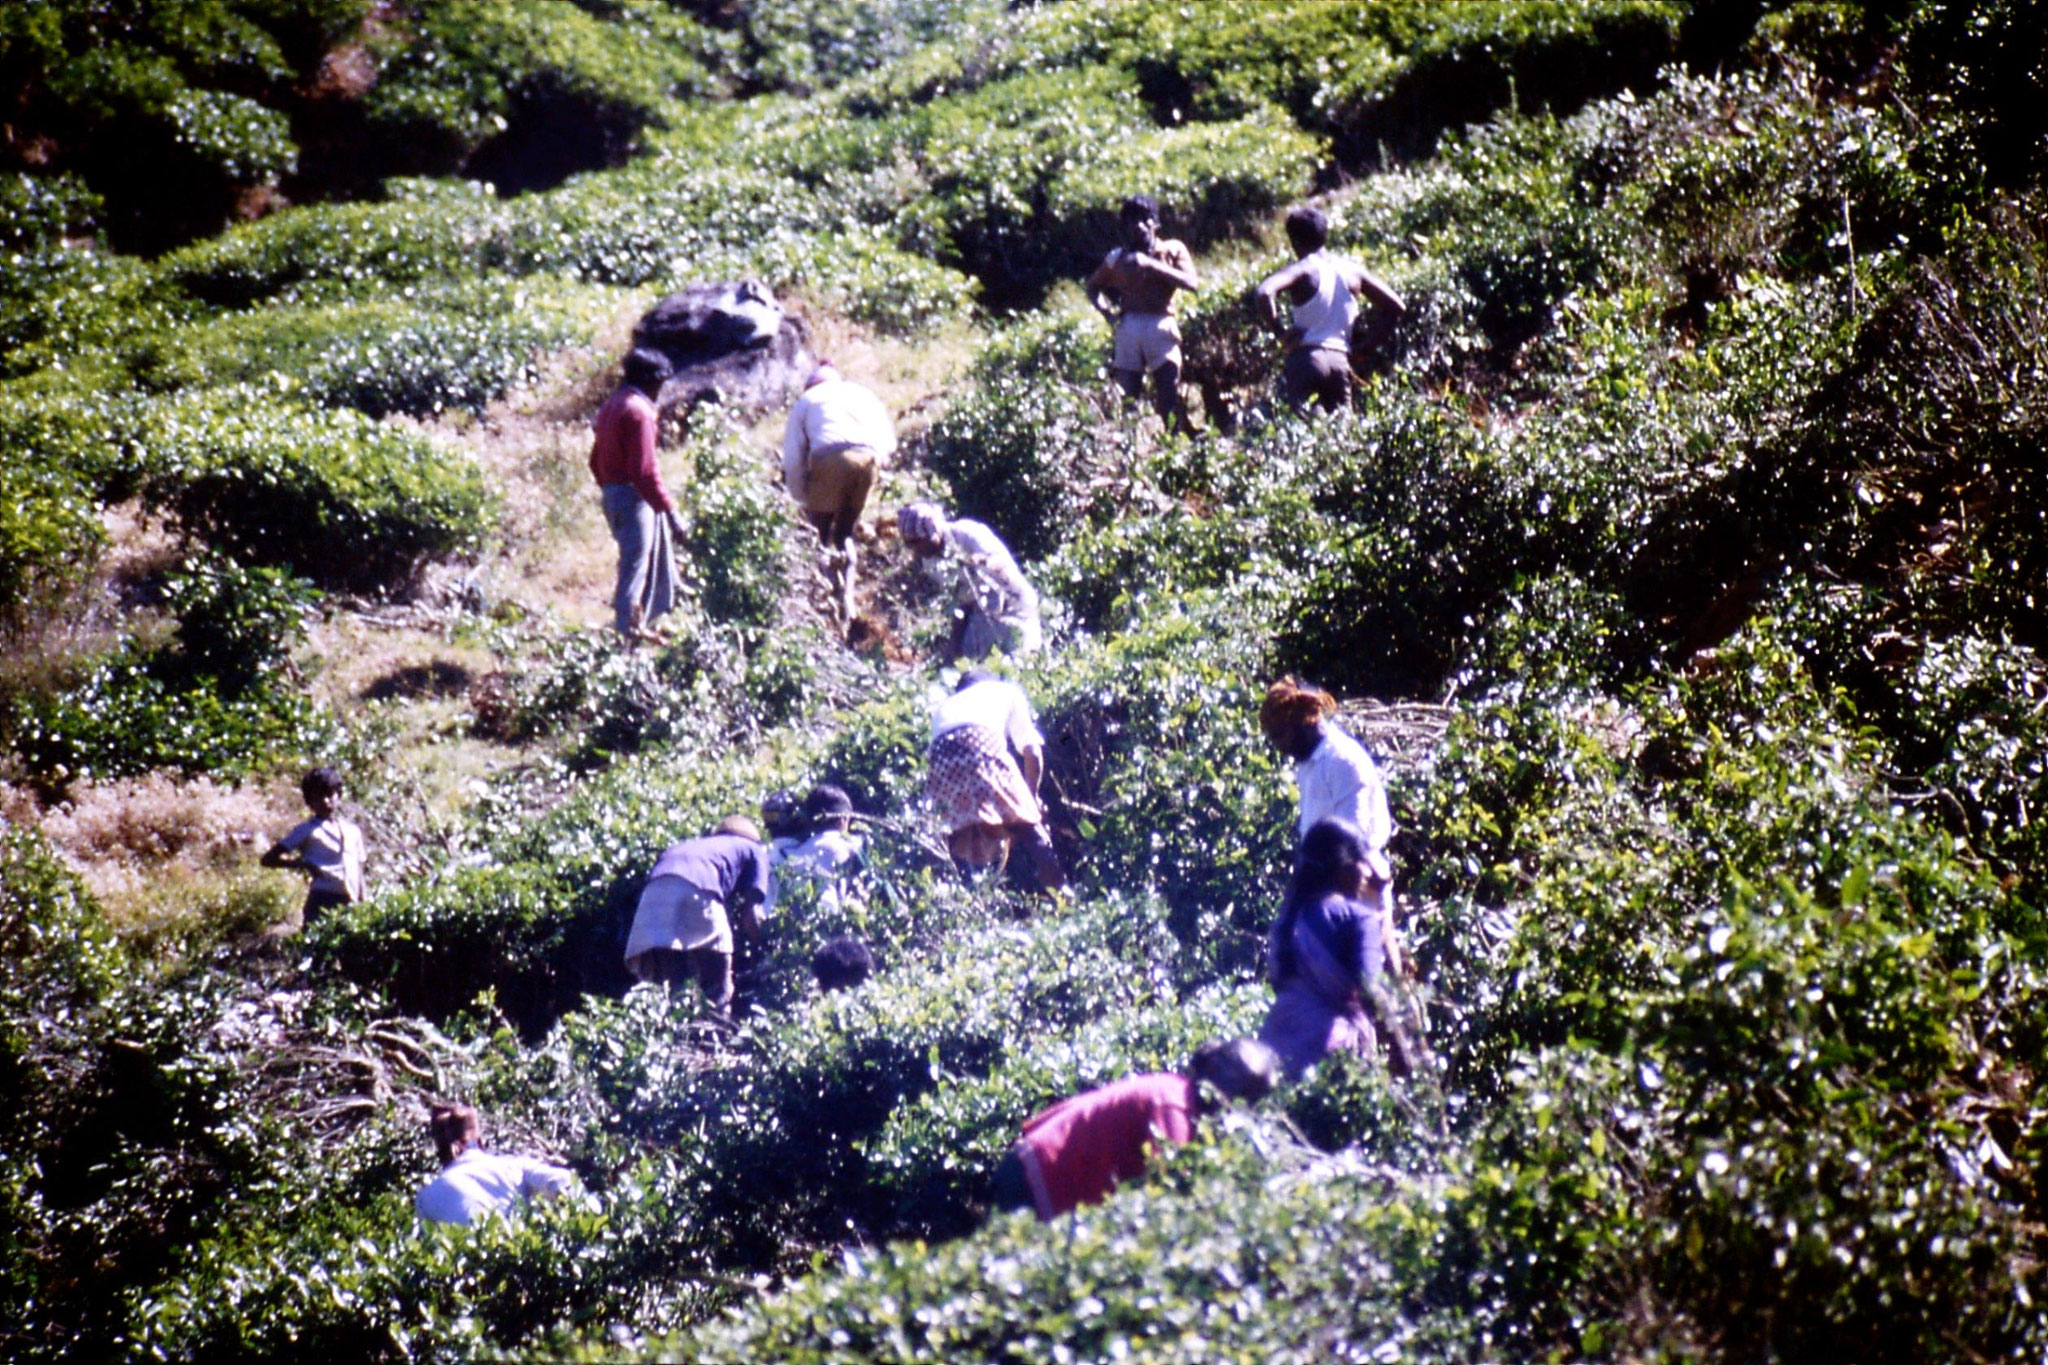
[(327, 846), (985, 762), (813, 839), (1337, 778), (1325, 289), (837, 436), (996, 606), (474, 1183)]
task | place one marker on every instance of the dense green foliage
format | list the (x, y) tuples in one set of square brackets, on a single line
[(1692, 518)]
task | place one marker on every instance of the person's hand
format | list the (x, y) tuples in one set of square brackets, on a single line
[(675, 523)]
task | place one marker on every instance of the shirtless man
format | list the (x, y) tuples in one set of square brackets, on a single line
[(1133, 289), (1325, 289)]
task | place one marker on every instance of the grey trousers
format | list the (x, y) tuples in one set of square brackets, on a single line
[(647, 558)]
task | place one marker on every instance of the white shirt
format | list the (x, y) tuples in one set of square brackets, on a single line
[(995, 705), (477, 1183), (825, 857), (1339, 778), (333, 848), (837, 412), (989, 577), (1326, 320)]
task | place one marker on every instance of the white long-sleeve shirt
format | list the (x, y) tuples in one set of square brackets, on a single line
[(1339, 778), (837, 412), (478, 1183)]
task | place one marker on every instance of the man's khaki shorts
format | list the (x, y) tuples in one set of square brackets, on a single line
[(836, 488), (1145, 341)]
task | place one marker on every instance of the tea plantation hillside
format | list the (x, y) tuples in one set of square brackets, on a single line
[(1683, 559)]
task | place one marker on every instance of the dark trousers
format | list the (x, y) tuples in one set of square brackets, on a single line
[(708, 967), (1008, 1188), (1320, 375), (320, 902)]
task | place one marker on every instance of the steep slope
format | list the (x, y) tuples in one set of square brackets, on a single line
[(1682, 555)]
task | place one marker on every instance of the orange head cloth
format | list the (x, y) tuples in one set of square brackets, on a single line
[(1291, 704)]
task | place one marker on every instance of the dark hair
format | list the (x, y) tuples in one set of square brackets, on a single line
[(1331, 851), (1139, 206), (455, 1129), (322, 781), (1307, 228), (827, 802), (973, 676), (842, 962), (646, 369), (1242, 1068), (782, 812)]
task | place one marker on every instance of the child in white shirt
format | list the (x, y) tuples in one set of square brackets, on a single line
[(327, 846)]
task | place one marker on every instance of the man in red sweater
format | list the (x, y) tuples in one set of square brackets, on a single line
[(1080, 1149), (637, 506)]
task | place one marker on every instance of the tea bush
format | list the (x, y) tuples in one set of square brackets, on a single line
[(61, 957), (328, 250), (50, 535), (334, 496), (802, 47), (454, 347), (1695, 492), (741, 537), (218, 698), (1037, 458)]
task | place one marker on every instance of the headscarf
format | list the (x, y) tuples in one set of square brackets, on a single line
[(740, 825), (1291, 703), (921, 521)]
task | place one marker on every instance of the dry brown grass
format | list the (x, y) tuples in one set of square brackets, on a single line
[(168, 855)]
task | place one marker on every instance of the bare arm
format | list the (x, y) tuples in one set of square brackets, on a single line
[(1266, 298), (746, 914), (1031, 762), (1172, 267), (278, 855), (1102, 289), (1387, 306)]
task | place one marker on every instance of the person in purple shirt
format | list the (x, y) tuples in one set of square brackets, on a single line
[(699, 889), (1324, 958)]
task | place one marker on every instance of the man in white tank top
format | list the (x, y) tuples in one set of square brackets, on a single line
[(1326, 290)]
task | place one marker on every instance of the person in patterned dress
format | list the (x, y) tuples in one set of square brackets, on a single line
[(984, 765)]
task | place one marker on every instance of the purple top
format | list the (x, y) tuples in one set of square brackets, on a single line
[(1336, 947), (728, 866)]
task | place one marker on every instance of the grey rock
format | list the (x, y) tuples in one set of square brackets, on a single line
[(731, 343)]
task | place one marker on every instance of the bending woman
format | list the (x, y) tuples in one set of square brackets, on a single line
[(1324, 956)]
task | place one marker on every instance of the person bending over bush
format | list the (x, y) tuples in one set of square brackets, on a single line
[(1323, 958), (985, 762), (637, 505), (995, 607), (474, 1183), (683, 927), (814, 839), (327, 846), (1079, 1150), (837, 436)]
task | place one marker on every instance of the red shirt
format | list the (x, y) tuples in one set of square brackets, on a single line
[(1082, 1147), (623, 451)]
